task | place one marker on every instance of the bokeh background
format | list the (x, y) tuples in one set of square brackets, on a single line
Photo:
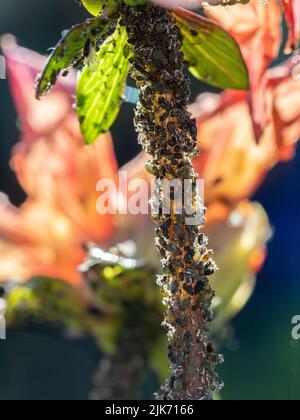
[(262, 361)]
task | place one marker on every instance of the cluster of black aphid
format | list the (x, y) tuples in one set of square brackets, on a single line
[(168, 133), (75, 47)]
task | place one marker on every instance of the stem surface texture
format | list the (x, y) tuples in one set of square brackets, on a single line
[(168, 133)]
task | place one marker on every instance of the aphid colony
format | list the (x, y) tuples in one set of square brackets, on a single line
[(169, 135)]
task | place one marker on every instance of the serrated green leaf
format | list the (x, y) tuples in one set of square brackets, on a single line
[(73, 49), (213, 55), (100, 89)]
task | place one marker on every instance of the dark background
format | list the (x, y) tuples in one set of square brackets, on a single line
[(264, 364)]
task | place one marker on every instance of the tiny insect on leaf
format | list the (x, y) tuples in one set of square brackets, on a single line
[(72, 50)]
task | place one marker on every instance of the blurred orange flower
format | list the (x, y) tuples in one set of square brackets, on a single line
[(258, 31), (292, 15), (232, 162), (46, 236)]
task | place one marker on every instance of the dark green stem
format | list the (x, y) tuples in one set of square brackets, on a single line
[(120, 375)]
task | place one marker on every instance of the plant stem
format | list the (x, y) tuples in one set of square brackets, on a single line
[(167, 132), (120, 375)]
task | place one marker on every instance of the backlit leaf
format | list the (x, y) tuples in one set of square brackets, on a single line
[(101, 86), (72, 50), (211, 53), (93, 6)]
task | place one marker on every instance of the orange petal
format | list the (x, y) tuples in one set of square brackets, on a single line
[(58, 173), (257, 29), (232, 163), (23, 66), (292, 15)]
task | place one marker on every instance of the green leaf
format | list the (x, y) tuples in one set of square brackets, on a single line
[(213, 55), (46, 300), (72, 50), (100, 89), (96, 6), (93, 6), (135, 3)]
